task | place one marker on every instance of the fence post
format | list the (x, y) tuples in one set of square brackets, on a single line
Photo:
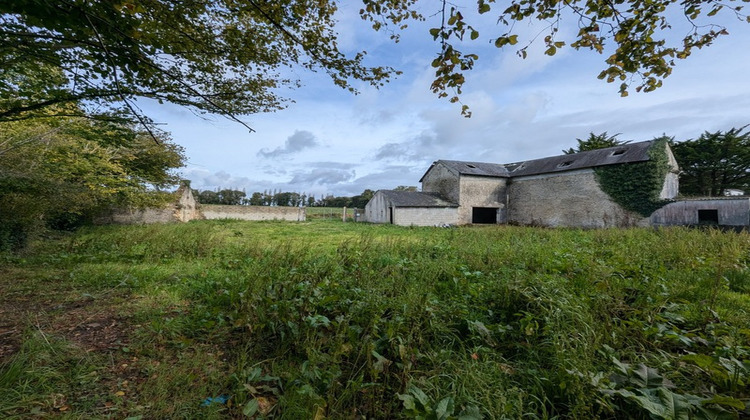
[(343, 217)]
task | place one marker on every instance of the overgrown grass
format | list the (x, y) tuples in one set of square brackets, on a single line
[(326, 319)]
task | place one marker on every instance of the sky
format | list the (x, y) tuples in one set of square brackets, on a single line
[(331, 142)]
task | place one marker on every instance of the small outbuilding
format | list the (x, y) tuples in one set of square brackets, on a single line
[(729, 212), (408, 208)]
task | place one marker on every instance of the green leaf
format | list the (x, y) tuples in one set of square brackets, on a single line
[(444, 408), (408, 401), (471, 413), (251, 408), (647, 377), (701, 360), (420, 396), (726, 401)]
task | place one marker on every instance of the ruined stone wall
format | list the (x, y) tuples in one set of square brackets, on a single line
[(183, 209), (571, 198), (216, 211), (481, 191), (441, 180), (139, 216), (187, 207)]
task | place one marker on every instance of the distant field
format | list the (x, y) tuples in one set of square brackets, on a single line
[(323, 319), (330, 213)]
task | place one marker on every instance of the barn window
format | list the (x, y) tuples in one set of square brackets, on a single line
[(471, 166), (484, 215), (564, 164), (708, 217), (618, 152)]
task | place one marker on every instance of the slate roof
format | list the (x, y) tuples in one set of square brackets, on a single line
[(415, 199), (626, 153)]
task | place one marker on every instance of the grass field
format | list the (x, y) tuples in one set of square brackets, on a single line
[(323, 319)]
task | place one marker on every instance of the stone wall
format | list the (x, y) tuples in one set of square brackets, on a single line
[(481, 191), (215, 211), (425, 216), (440, 179), (183, 209), (139, 216), (566, 199), (186, 209)]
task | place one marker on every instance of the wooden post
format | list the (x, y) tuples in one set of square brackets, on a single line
[(343, 217)]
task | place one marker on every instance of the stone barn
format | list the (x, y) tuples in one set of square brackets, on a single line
[(616, 186)]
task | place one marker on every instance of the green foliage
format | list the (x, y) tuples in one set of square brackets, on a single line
[(61, 172), (637, 186), (634, 36), (596, 141), (223, 57), (227, 57), (714, 162), (334, 320)]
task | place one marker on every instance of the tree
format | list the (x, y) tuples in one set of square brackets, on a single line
[(596, 141), (714, 162), (637, 30), (360, 201), (256, 199), (217, 56), (62, 172), (227, 56), (208, 197), (230, 197)]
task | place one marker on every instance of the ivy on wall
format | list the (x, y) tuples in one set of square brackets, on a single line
[(637, 186)]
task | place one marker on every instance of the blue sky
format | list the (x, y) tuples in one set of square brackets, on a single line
[(332, 142)]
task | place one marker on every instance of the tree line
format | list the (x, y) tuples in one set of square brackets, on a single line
[(278, 198)]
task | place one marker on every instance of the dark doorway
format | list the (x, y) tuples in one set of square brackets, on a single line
[(708, 217), (484, 215), (390, 215)]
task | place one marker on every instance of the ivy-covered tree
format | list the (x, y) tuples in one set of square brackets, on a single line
[(596, 141), (714, 162)]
